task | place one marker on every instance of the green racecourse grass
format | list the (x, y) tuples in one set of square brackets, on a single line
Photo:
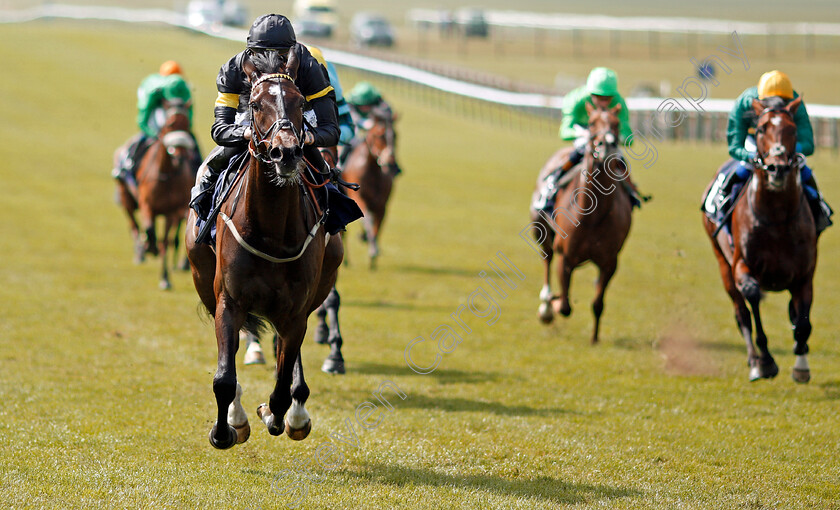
[(106, 381)]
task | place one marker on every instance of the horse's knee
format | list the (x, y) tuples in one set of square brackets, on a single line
[(333, 300), (750, 289)]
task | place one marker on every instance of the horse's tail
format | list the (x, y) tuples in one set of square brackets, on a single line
[(255, 325)]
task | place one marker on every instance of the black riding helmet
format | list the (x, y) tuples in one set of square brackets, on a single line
[(271, 31)]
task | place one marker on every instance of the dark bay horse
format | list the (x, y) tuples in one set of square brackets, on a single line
[(164, 178), (373, 165), (273, 260), (590, 220), (774, 242), (327, 329)]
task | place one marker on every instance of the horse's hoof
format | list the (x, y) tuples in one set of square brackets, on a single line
[(165, 285), (755, 374), (801, 376), (333, 366), (768, 368), (223, 445), (265, 415), (322, 334), (545, 314), (299, 434), (243, 432), (254, 355)]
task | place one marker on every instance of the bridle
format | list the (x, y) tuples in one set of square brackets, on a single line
[(777, 149), (261, 142)]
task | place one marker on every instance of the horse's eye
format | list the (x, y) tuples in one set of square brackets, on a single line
[(254, 105)]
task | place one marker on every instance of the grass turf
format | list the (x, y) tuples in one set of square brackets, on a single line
[(106, 381)]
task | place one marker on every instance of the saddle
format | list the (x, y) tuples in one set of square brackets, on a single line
[(718, 201)]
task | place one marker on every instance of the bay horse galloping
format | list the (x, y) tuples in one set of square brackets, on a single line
[(373, 165), (774, 242), (165, 175), (590, 220), (273, 260)]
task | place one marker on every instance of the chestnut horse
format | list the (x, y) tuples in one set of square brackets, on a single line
[(590, 220), (372, 164), (774, 242), (273, 260), (164, 178)]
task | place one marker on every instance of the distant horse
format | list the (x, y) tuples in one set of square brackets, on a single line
[(164, 178), (590, 220), (273, 259), (775, 242), (373, 165)]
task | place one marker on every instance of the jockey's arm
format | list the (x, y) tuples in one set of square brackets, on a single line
[(804, 131), (231, 86), (574, 113), (149, 97), (314, 84), (737, 126), (225, 131), (625, 130)]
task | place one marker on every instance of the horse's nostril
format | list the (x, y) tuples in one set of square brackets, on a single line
[(298, 152), (275, 153)]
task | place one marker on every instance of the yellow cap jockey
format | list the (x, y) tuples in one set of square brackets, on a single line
[(775, 83)]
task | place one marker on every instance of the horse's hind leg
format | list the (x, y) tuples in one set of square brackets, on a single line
[(334, 364), (604, 276), (800, 305), (322, 330), (253, 350), (229, 320)]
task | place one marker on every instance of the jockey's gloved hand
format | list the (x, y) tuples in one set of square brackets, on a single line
[(367, 124)]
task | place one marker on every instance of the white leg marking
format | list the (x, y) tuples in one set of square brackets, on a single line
[(801, 363), (545, 293), (236, 413), (754, 374), (297, 417)]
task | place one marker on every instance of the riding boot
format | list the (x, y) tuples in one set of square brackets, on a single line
[(635, 198), (201, 195), (819, 208), (126, 170)]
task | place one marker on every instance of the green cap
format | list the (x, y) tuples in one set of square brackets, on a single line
[(602, 82), (363, 94)]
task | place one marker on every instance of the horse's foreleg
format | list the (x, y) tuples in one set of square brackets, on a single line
[(373, 239), (562, 305), (334, 364), (288, 350), (229, 320), (545, 313), (298, 422), (165, 284), (765, 366), (149, 239), (605, 274), (800, 304)]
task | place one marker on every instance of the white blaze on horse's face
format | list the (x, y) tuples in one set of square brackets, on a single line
[(776, 121)]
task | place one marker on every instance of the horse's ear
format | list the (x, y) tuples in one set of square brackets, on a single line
[(758, 107), (249, 68), (292, 63), (794, 105), (589, 108), (394, 116)]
